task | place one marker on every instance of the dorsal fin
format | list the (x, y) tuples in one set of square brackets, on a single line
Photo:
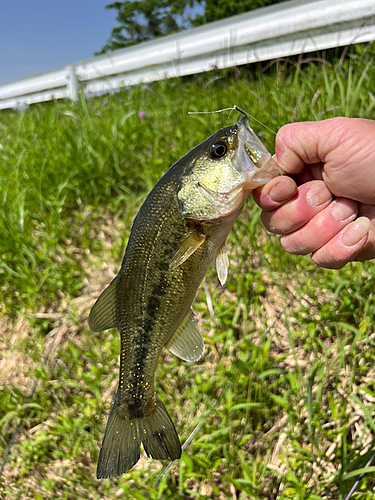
[(187, 343), (103, 313)]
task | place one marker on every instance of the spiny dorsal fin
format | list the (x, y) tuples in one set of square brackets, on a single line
[(187, 248), (103, 313), (222, 264), (187, 343)]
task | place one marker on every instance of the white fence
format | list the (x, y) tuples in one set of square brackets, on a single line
[(280, 30)]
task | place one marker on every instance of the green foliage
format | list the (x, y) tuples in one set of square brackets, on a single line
[(214, 10), (290, 348), (143, 20)]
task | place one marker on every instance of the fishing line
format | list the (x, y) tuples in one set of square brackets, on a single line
[(212, 112), (360, 477), (234, 108)]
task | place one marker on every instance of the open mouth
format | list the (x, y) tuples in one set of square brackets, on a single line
[(253, 159)]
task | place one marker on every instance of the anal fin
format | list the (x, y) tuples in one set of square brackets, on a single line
[(187, 343), (103, 313)]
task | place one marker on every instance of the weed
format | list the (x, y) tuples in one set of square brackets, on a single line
[(295, 343)]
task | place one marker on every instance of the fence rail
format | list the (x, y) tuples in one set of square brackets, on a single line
[(281, 30)]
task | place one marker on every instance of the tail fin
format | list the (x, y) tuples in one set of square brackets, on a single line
[(123, 436)]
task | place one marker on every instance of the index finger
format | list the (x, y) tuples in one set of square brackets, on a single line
[(309, 143)]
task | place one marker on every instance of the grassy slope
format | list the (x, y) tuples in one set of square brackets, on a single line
[(295, 343)]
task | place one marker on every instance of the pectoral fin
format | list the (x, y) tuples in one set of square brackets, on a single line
[(187, 343), (103, 313), (187, 248), (222, 264)]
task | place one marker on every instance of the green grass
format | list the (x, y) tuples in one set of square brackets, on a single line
[(289, 350)]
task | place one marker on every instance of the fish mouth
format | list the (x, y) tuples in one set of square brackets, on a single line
[(252, 158)]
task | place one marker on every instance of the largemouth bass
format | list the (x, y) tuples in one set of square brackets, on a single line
[(178, 232)]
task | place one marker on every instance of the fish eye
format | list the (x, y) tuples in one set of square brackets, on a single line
[(218, 150)]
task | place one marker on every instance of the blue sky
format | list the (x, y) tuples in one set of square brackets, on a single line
[(39, 35)]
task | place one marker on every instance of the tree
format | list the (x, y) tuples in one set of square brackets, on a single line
[(143, 20), (220, 9)]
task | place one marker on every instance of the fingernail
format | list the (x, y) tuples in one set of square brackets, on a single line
[(282, 191), (318, 194), (343, 209), (355, 231)]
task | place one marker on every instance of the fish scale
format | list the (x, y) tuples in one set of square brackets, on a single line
[(178, 232)]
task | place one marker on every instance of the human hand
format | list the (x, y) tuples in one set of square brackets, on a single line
[(330, 158)]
